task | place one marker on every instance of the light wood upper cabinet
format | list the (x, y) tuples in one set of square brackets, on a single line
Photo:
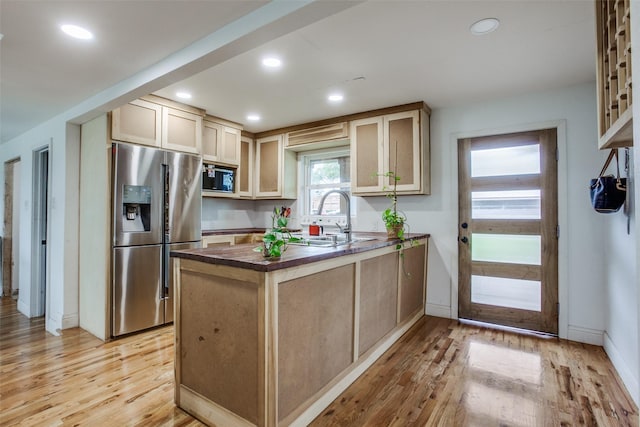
[(322, 136), (169, 124), (397, 142), (367, 155), (613, 77), (244, 177), (221, 143), (230, 146), (181, 131), (138, 122), (275, 169), (210, 137)]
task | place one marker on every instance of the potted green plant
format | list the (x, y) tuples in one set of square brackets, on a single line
[(274, 241), (394, 220)]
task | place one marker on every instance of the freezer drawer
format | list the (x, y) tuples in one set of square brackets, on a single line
[(138, 301)]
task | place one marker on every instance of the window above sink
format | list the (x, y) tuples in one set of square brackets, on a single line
[(319, 172)]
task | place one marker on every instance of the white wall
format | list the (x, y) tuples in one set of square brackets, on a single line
[(61, 310), (94, 229), (227, 213), (582, 290), (621, 278), (621, 255), (582, 313), (266, 23)]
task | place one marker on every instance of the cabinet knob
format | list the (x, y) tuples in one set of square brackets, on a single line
[(464, 239), (464, 225)]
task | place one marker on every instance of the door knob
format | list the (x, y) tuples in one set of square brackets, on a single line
[(464, 225), (464, 239)]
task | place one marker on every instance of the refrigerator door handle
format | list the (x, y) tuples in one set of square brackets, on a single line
[(165, 272), (165, 201)]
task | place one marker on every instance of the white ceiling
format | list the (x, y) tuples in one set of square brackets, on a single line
[(406, 51)]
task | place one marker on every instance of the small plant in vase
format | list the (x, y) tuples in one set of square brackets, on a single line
[(394, 220), (274, 241)]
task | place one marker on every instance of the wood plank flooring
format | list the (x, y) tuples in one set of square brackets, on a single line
[(441, 373), (77, 380)]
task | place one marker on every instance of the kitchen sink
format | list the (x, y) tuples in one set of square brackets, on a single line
[(328, 242)]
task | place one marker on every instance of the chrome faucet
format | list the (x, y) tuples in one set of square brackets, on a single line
[(347, 229)]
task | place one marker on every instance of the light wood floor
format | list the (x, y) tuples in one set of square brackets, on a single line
[(440, 373)]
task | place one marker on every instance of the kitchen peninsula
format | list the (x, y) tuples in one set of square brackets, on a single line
[(272, 343)]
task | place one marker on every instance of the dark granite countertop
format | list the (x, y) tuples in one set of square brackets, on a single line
[(224, 231), (232, 231), (243, 256)]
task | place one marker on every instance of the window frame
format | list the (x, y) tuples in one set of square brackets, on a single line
[(304, 177)]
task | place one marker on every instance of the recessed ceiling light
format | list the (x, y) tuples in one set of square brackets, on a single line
[(335, 97), (76, 32), (253, 117), (183, 95), (484, 26), (272, 62)]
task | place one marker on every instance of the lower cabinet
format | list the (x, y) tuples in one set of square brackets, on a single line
[(296, 337), (411, 281), (218, 240), (230, 239), (315, 334), (378, 299)]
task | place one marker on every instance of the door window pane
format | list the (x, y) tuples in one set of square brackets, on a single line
[(515, 249), (524, 159), (521, 204), (512, 293)]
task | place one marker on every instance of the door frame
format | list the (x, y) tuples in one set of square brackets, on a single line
[(40, 279), (545, 319), (6, 269), (563, 192)]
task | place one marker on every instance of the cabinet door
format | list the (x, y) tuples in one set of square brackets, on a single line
[(181, 131), (367, 155), (218, 240), (402, 152), (269, 166), (138, 122), (244, 178), (229, 147), (210, 138), (318, 134), (412, 281)]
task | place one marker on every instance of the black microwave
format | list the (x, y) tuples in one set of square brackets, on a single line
[(216, 178)]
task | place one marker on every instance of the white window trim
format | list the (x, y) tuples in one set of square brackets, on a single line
[(304, 158)]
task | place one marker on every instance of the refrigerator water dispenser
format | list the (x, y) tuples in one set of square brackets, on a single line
[(136, 208)]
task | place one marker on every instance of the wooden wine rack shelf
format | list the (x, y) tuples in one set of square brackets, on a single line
[(614, 73)]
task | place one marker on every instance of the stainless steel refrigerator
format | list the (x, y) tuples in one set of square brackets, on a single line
[(156, 209)]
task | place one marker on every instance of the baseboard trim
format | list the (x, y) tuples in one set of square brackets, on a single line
[(24, 308), (438, 310), (630, 382), (70, 321), (585, 335)]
